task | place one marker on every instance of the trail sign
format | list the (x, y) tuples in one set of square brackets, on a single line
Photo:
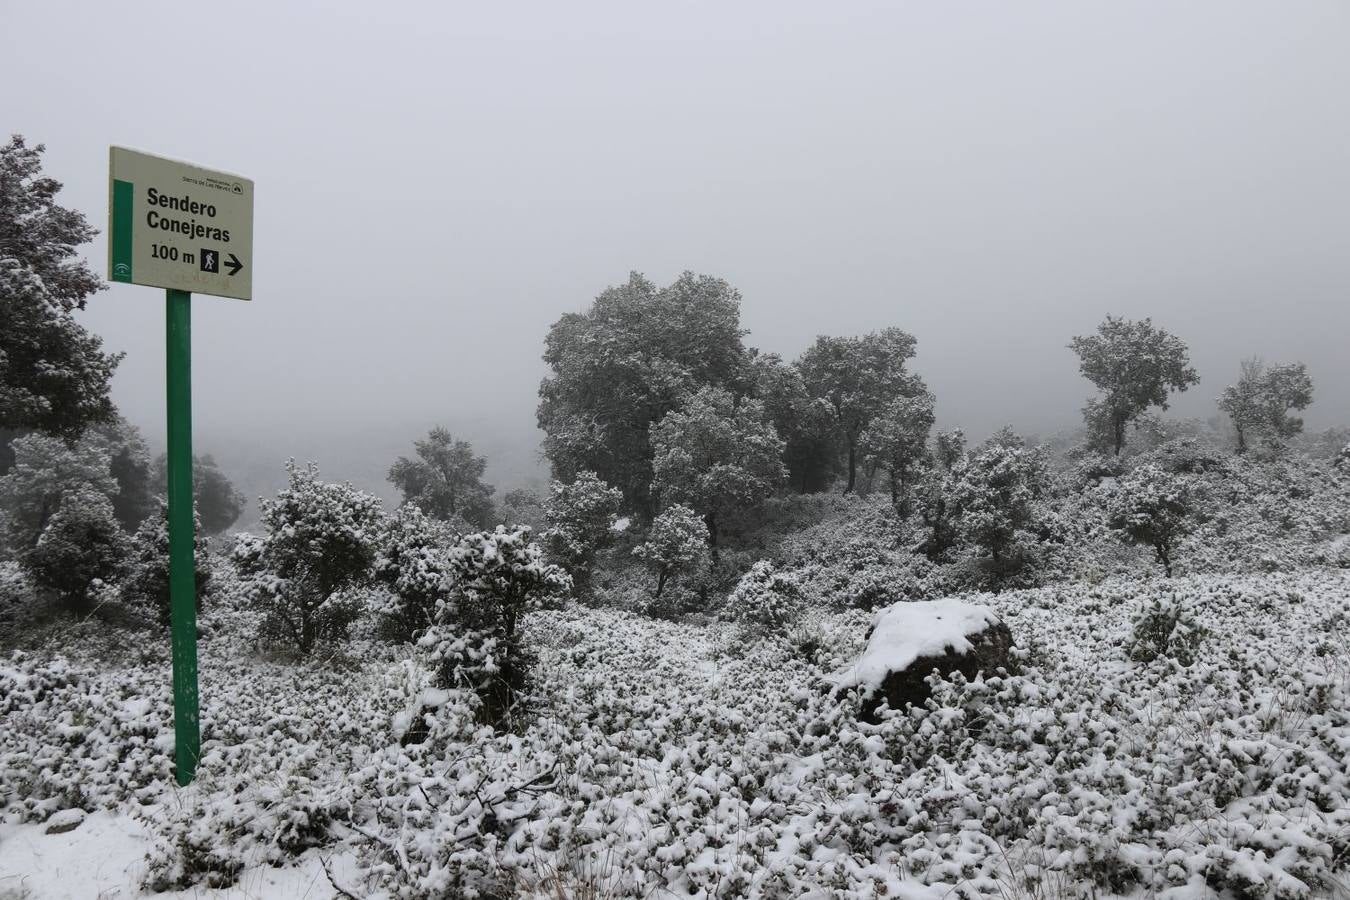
[(182, 228), (179, 226)]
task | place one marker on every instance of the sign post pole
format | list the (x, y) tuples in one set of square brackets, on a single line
[(188, 230), (182, 565)]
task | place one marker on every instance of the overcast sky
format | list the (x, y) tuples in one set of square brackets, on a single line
[(437, 183)]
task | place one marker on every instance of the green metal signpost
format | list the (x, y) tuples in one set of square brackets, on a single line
[(182, 563), (182, 228)]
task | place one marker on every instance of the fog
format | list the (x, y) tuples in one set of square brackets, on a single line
[(437, 183)]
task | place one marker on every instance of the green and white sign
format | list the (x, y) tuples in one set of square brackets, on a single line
[(179, 226)]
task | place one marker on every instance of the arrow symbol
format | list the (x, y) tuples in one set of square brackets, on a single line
[(234, 264)]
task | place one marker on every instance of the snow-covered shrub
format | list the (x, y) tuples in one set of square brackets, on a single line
[(321, 538), (676, 541), (1152, 507), (581, 516), (992, 494), (1189, 456), (413, 563), (146, 585), (228, 822), (475, 640), (1163, 628), (81, 547), (765, 598)]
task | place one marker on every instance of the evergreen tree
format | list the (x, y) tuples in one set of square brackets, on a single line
[(54, 374), (619, 367), (716, 455), (858, 377), (445, 480), (1135, 365)]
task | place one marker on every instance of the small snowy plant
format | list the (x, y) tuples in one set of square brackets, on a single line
[(1162, 628), (475, 638), (765, 598), (321, 539), (678, 538), (1154, 508), (581, 517)]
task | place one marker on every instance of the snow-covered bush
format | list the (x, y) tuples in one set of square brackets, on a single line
[(1152, 507), (146, 585), (581, 516), (413, 562), (321, 537), (1163, 628), (765, 598), (992, 494), (475, 639), (81, 548), (676, 541)]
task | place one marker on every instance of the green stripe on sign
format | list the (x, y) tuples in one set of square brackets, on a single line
[(123, 198)]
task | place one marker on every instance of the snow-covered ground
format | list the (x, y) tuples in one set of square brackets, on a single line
[(105, 858), (674, 759)]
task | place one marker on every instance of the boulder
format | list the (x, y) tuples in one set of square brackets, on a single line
[(907, 641), (65, 820)]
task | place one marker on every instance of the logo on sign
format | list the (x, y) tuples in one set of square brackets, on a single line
[(210, 260), (121, 269)]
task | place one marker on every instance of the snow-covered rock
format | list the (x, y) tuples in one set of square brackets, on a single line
[(908, 640), (65, 820)]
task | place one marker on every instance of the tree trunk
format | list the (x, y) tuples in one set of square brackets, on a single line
[(661, 581), (1118, 428), (852, 467), (1165, 558)]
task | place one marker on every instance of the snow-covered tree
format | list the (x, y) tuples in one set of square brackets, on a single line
[(475, 639), (677, 539), (896, 442), (146, 584), (1135, 365), (1152, 507), (82, 544), (1261, 402), (218, 502), (45, 471), (805, 423), (54, 374), (858, 377), (992, 493), (413, 562), (581, 517), (949, 447), (130, 466), (445, 480), (715, 455), (217, 499), (627, 361), (523, 506), (765, 598), (321, 537)]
